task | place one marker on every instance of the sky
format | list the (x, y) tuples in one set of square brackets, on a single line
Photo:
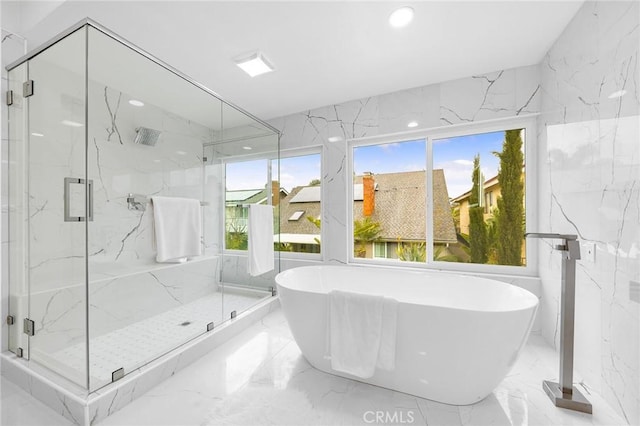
[(294, 171), (453, 155)]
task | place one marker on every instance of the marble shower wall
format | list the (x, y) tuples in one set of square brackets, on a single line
[(589, 185)]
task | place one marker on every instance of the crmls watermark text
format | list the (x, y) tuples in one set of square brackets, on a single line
[(388, 417)]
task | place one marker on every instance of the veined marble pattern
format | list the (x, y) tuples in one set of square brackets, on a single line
[(590, 186), (260, 377)]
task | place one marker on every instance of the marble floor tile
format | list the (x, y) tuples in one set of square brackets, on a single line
[(260, 378), (18, 408)]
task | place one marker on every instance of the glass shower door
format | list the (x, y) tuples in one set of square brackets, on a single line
[(58, 206), (17, 190)]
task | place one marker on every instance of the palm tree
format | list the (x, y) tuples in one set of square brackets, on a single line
[(365, 231)]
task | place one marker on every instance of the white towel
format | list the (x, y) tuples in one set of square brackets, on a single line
[(178, 228), (362, 331), (260, 256)]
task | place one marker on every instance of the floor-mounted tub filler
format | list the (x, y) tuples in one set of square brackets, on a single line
[(457, 336)]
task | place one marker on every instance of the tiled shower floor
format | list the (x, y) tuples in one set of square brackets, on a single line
[(138, 343)]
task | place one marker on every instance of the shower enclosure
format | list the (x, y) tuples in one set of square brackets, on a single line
[(97, 127)]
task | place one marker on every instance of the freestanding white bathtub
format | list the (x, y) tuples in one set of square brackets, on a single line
[(457, 336)]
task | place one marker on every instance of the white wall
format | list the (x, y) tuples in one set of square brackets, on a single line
[(589, 183)]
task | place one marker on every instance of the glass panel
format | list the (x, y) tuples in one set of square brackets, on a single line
[(148, 132), (389, 199), (250, 153), (246, 182), (18, 213), (484, 173), (57, 182), (300, 204)]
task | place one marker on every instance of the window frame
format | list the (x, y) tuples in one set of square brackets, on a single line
[(527, 122)]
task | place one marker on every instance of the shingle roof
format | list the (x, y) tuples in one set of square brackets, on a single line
[(303, 225), (399, 208)]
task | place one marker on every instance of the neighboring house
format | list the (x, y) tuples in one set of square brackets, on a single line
[(237, 205), (491, 191), (397, 201)]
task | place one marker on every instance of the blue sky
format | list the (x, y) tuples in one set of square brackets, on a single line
[(294, 171), (454, 155)]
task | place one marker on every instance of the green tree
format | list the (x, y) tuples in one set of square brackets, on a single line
[(316, 222), (365, 231), (477, 227), (510, 217), (314, 182)]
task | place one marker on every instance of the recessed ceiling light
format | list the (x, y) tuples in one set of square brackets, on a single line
[(254, 64), (181, 153), (412, 124), (136, 102), (401, 17), (618, 94), (37, 134), (335, 139), (248, 148), (71, 123)]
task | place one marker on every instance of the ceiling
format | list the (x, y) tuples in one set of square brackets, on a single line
[(324, 52)]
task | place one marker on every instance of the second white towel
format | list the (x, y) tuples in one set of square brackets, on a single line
[(260, 256)]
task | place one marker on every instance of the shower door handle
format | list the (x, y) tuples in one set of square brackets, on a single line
[(68, 181)]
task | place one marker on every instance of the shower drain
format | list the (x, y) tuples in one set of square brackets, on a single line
[(186, 323)]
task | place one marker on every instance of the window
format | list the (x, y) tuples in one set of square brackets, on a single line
[(452, 196), (475, 167), (380, 250), (300, 209), (246, 183), (389, 199)]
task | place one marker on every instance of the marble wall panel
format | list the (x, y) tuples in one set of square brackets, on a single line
[(589, 185)]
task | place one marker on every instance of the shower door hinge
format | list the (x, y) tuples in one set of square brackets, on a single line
[(9, 97), (10, 320), (27, 88), (210, 326), (233, 314), (28, 327), (19, 353)]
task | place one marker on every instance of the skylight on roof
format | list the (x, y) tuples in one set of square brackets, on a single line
[(296, 215)]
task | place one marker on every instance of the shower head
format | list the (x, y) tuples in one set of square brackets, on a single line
[(146, 136)]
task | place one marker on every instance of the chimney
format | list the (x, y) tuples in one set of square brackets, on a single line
[(275, 192), (368, 194)]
